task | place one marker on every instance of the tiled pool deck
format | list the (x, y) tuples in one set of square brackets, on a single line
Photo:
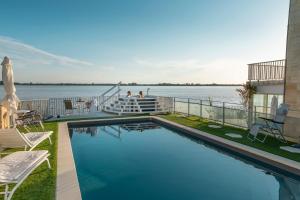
[(83, 116), (67, 182), (67, 186)]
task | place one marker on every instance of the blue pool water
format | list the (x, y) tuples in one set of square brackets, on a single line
[(147, 162)]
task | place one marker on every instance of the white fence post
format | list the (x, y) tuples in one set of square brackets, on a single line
[(201, 108), (174, 102), (188, 106), (223, 113)]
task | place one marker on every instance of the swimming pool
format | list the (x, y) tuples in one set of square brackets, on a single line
[(148, 161)]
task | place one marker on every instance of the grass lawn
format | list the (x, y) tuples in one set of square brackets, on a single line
[(41, 184), (271, 144)]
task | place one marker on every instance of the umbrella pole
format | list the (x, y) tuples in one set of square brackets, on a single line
[(12, 120)]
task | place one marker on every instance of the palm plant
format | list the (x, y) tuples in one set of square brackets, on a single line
[(246, 93)]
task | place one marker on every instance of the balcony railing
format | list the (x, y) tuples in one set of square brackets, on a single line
[(266, 71)]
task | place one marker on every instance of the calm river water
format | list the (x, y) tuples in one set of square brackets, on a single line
[(217, 93)]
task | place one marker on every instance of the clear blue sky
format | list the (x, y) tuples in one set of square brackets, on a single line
[(144, 41)]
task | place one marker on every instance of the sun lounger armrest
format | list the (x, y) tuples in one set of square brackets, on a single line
[(5, 153), (276, 122), (271, 120), (1, 154), (23, 117), (267, 119)]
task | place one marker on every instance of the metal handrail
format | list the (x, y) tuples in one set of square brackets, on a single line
[(212, 101), (101, 104), (111, 96), (113, 87)]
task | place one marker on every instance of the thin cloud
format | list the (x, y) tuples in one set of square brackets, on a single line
[(36, 65), (27, 55)]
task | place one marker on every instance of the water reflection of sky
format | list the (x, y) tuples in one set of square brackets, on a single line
[(260, 180)]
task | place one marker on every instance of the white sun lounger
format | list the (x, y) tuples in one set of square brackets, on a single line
[(270, 126), (12, 138), (16, 167)]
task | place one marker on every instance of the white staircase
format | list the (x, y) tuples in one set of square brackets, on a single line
[(112, 102), (109, 95), (134, 105)]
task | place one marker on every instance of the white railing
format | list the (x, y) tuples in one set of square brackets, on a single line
[(222, 112), (265, 71), (56, 107), (41, 105)]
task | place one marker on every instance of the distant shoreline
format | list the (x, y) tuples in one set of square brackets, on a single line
[(123, 84)]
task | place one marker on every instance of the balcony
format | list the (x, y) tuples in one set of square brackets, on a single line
[(267, 71)]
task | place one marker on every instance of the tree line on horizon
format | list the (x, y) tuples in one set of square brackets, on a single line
[(128, 84)]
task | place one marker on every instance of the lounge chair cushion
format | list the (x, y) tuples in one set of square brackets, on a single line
[(37, 137), (255, 129), (15, 165)]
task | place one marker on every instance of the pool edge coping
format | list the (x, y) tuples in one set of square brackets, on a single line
[(68, 187), (67, 184), (279, 162)]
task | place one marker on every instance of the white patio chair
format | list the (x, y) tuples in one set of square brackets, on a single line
[(12, 138), (17, 166), (272, 126), (30, 119), (69, 107)]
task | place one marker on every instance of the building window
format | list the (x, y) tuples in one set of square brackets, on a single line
[(262, 102)]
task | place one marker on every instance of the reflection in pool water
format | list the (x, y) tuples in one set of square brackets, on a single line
[(114, 130), (147, 161)]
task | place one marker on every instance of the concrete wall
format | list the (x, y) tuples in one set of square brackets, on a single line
[(270, 89), (292, 83)]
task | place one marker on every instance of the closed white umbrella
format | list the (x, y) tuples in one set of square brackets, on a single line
[(10, 100), (274, 105)]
